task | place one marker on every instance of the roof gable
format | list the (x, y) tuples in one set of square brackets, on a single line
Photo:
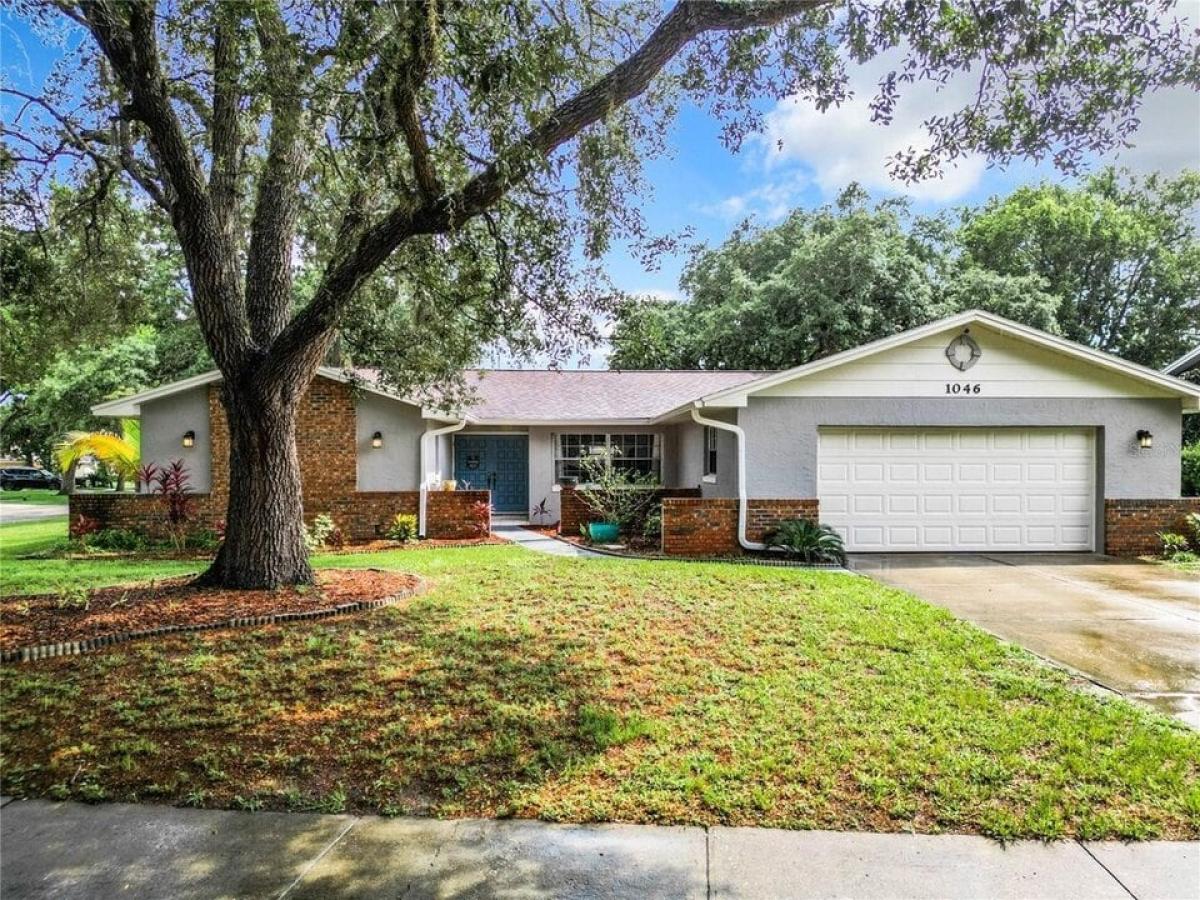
[(1016, 361)]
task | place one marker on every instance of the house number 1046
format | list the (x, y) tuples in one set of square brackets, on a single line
[(957, 388)]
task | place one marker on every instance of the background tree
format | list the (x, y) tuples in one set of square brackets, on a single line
[(472, 146), (94, 303), (1113, 263), (1121, 254)]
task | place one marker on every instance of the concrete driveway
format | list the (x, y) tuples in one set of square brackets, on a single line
[(1131, 626)]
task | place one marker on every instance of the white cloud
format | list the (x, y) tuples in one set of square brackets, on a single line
[(843, 144), (769, 202), (658, 295), (1168, 139)]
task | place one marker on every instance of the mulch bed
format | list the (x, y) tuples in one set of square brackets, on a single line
[(38, 619)]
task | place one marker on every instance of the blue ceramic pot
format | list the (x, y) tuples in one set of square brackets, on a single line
[(603, 532)]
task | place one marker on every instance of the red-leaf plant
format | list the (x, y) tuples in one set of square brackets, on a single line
[(171, 486), (481, 517)]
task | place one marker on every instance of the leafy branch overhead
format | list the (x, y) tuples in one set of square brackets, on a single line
[(347, 133)]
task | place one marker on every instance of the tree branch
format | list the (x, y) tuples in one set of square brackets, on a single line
[(272, 231), (629, 79), (125, 35)]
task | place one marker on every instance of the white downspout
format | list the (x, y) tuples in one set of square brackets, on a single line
[(743, 502), (425, 439)]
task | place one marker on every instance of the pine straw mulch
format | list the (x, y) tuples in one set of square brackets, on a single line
[(41, 619)]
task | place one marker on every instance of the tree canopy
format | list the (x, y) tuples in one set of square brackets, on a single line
[(1112, 263), (462, 158)]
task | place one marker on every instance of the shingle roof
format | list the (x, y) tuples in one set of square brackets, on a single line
[(540, 395)]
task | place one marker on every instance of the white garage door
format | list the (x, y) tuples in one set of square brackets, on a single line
[(958, 488)]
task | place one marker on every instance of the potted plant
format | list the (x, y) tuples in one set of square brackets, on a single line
[(618, 499)]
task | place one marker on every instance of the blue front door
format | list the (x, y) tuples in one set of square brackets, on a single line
[(495, 462)]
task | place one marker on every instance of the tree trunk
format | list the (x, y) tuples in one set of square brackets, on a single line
[(68, 479), (264, 525)]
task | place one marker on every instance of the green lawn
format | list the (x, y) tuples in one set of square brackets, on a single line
[(34, 496), (40, 576), (590, 690)]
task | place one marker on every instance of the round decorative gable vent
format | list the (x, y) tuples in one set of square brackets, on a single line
[(963, 352)]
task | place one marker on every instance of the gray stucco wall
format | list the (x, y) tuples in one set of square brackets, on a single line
[(691, 456), (781, 435), (396, 465), (163, 425)]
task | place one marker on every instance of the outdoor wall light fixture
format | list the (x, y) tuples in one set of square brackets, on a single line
[(189, 439), (1145, 439), (377, 440)]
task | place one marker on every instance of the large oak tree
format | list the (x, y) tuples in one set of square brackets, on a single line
[(460, 157)]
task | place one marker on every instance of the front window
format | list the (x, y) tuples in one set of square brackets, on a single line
[(634, 453), (710, 450)]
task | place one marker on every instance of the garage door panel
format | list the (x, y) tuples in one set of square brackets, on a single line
[(961, 488)]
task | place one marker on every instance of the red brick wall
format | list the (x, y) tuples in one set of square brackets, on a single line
[(1131, 527), (693, 526), (574, 510), (763, 515), (708, 527), (362, 516), (325, 444), (142, 512)]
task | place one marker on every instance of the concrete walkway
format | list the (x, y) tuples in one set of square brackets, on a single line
[(539, 543), (66, 850)]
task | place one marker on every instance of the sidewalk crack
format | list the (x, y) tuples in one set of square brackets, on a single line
[(316, 859), (707, 862), (1111, 875)]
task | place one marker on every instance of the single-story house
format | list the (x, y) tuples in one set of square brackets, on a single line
[(972, 433)]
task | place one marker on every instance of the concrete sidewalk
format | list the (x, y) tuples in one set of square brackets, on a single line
[(73, 850)]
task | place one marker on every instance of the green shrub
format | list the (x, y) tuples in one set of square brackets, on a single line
[(204, 539), (403, 528), (1193, 525), (807, 540), (322, 530), (1191, 470), (118, 539), (1174, 545)]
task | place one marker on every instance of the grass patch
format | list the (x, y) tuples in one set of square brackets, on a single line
[(42, 576), (610, 690), (35, 497)]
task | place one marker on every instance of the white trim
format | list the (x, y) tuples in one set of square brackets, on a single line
[(736, 396), (425, 479), (561, 423), (1185, 363), (129, 406)]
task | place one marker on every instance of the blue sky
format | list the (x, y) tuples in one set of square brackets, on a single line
[(705, 187)]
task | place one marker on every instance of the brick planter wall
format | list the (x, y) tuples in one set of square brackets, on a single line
[(693, 526), (362, 516), (708, 527), (575, 511), (142, 512), (763, 515), (1131, 526)]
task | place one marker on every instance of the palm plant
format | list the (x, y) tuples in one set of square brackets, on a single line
[(121, 453), (807, 539)]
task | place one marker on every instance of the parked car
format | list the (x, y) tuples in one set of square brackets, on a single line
[(18, 477)]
